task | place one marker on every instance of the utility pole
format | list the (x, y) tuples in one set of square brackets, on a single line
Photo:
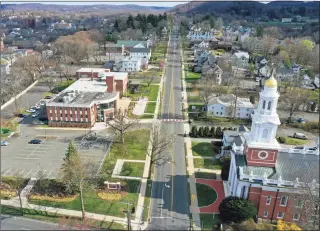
[(128, 214)]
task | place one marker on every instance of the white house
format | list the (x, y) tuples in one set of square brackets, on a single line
[(240, 59), (128, 64), (47, 53), (140, 53), (296, 68), (224, 106), (285, 74), (263, 71), (203, 44), (286, 20), (200, 35)]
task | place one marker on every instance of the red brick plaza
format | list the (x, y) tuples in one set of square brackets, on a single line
[(216, 185)]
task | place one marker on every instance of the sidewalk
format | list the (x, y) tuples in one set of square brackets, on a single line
[(205, 140), (194, 208)]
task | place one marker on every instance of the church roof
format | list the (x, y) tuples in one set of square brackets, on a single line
[(288, 166)]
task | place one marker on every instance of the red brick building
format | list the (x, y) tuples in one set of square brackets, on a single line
[(118, 81), (271, 176), (74, 109)]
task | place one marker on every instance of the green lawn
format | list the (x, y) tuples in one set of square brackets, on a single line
[(63, 85), (206, 195), (160, 47), (208, 222), (51, 217), (207, 163), (150, 108), (202, 149), (132, 169), (294, 141), (94, 204), (153, 94), (205, 175), (145, 91), (134, 148), (191, 76), (194, 97)]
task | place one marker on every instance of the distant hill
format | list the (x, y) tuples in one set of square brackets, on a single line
[(107, 9), (275, 9)]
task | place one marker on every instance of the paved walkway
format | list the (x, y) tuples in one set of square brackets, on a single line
[(140, 107), (190, 165), (118, 168), (216, 185), (205, 140)]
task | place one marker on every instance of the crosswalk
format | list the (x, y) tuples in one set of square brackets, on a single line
[(173, 120)]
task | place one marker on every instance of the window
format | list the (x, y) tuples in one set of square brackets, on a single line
[(71, 119), (265, 134), (71, 112), (247, 109), (66, 119), (299, 203), (296, 217), (238, 114), (80, 112), (86, 116), (247, 114), (269, 105), (51, 118), (280, 215), (264, 104), (87, 120), (265, 214), (268, 200), (220, 113), (75, 112), (284, 200), (217, 113), (50, 111), (221, 108)]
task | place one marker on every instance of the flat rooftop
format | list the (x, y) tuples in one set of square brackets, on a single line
[(105, 72), (68, 98), (88, 85)]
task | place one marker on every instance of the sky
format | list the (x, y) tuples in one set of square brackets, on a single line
[(167, 3)]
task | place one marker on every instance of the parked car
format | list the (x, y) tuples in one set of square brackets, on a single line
[(301, 120), (313, 149), (4, 143), (298, 135), (42, 103), (48, 97), (299, 147), (37, 107), (34, 115), (21, 115), (31, 110), (35, 142)]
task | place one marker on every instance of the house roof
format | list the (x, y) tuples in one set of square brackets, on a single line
[(288, 166), (226, 100), (240, 54), (285, 71), (139, 50), (130, 43), (4, 61)]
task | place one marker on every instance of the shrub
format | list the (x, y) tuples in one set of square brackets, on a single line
[(194, 132), (251, 225), (212, 132), (206, 131), (308, 126), (201, 132), (219, 132), (282, 139), (281, 225), (237, 210)]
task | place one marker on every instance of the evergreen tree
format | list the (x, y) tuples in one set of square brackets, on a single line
[(218, 132), (206, 131), (252, 99), (71, 151), (116, 25), (201, 132), (130, 22), (212, 132)]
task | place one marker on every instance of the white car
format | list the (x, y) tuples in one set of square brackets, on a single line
[(42, 103), (31, 110), (34, 115), (37, 106)]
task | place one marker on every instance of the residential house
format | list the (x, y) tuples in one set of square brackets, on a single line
[(130, 64), (128, 44), (5, 66), (262, 70), (213, 72), (47, 53), (296, 68), (140, 53), (202, 45), (215, 44), (267, 174), (288, 20), (197, 34), (224, 106), (259, 60), (240, 59), (285, 74)]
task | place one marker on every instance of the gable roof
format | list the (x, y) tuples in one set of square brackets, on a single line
[(130, 43), (285, 71), (139, 50), (240, 54)]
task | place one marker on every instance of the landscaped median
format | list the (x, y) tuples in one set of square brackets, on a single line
[(98, 198)]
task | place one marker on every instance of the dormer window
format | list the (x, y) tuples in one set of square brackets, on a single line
[(264, 104)]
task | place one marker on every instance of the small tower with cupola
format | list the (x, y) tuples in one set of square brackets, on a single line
[(261, 146)]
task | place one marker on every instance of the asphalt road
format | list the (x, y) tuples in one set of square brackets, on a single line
[(169, 206), (18, 223)]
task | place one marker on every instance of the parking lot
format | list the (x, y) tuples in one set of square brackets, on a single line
[(27, 160)]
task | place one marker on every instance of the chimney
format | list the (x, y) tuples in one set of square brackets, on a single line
[(110, 83)]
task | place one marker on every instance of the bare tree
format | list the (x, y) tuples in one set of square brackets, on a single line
[(77, 175), (160, 145), (17, 185), (122, 124), (294, 99), (206, 92)]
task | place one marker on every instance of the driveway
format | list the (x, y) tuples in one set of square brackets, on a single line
[(288, 131)]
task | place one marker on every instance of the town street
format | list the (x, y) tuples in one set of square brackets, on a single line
[(170, 206)]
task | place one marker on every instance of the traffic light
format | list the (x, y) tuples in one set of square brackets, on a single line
[(133, 210)]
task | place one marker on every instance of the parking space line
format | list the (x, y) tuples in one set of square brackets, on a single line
[(7, 171), (14, 172), (29, 172), (22, 171), (20, 158)]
